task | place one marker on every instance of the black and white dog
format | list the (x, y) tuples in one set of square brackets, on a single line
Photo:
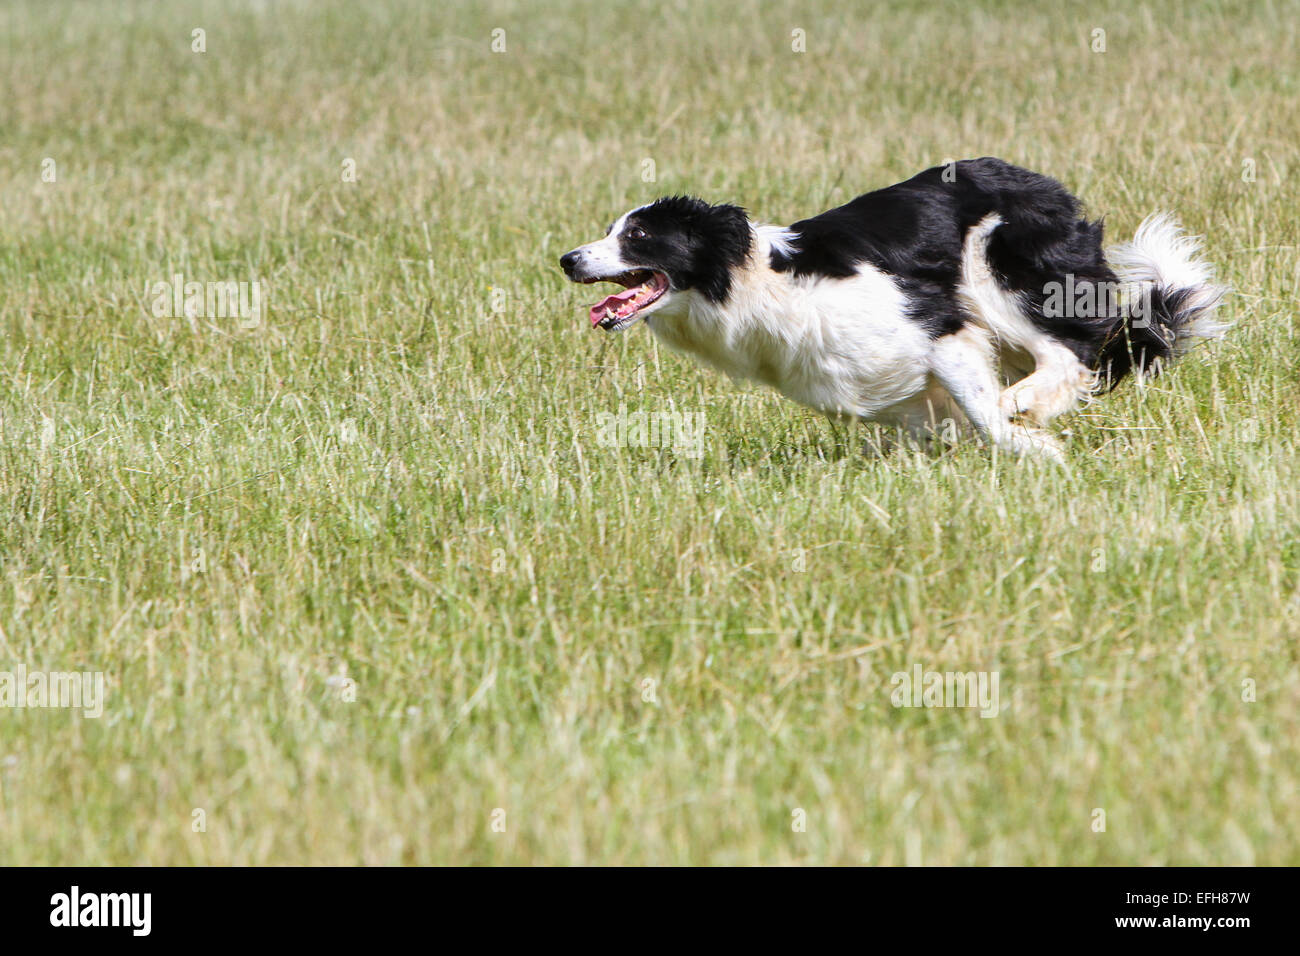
[(972, 293)]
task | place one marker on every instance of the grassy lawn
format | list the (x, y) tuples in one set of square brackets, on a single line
[(366, 585)]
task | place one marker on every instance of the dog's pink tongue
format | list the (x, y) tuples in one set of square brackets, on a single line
[(609, 302)]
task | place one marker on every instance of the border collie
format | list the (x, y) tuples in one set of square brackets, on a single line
[(973, 294)]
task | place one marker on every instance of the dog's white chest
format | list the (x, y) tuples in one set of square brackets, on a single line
[(839, 345)]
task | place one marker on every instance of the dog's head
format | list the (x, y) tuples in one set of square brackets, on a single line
[(674, 246)]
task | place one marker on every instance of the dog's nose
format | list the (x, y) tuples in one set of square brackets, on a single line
[(569, 262)]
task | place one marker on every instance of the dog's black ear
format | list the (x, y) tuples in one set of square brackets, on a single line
[(703, 243), (725, 240), (728, 227), (721, 242)]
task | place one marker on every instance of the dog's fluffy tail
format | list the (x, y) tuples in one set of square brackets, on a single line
[(1173, 299)]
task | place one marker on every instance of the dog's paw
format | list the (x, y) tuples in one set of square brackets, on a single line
[(1017, 401), (1036, 443)]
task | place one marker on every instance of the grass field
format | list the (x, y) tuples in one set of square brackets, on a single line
[(364, 583)]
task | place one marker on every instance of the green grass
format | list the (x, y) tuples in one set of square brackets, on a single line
[(397, 478)]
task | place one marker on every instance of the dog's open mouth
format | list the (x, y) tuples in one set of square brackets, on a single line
[(614, 312)]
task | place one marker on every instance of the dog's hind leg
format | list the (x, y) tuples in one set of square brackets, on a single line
[(963, 363), (1059, 380), (1057, 385)]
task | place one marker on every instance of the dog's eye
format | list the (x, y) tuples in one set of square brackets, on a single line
[(636, 233)]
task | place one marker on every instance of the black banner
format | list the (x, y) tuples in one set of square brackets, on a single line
[(338, 906)]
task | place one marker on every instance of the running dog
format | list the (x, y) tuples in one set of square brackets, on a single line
[(973, 293)]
